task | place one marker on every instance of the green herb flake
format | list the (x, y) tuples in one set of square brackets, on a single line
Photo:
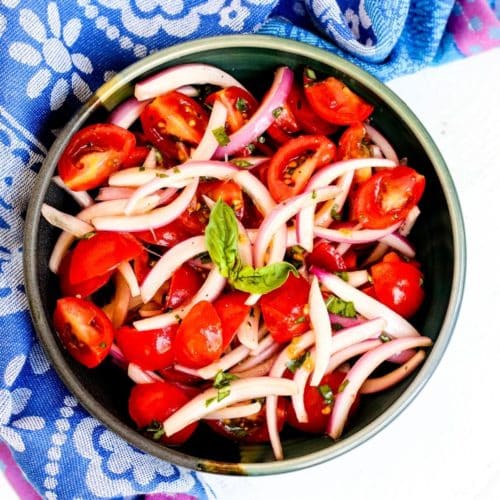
[(223, 393), (384, 337), (88, 235), (157, 430), (209, 401), (242, 163), (343, 385), (221, 136), (311, 74), (326, 393), (335, 305), (142, 168), (277, 112), (162, 176), (178, 319), (223, 379), (103, 345), (334, 213), (343, 275), (300, 320), (177, 170), (241, 104), (314, 195), (294, 364)]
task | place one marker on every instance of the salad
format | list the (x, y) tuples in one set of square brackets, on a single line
[(244, 258)]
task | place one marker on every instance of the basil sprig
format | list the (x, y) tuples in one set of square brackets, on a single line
[(221, 238)]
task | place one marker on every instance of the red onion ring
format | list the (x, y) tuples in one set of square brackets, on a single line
[(83, 198), (380, 141), (208, 144), (126, 113)]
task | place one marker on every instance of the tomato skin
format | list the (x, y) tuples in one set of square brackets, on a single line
[(398, 285), (102, 253), (283, 309), (167, 236), (239, 103), (136, 157), (334, 102), (151, 404), (93, 154), (184, 284), (318, 410), (150, 349), (295, 161), (284, 126), (232, 312), (325, 255), (229, 191), (199, 338), (84, 329), (252, 429), (353, 144), (387, 197), (84, 288)]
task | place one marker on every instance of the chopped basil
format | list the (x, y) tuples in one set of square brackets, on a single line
[(314, 194), (343, 385), (277, 112), (334, 213), (294, 364), (178, 318), (142, 168), (384, 337), (310, 73), (242, 163), (295, 255), (326, 393), (300, 320), (177, 170), (335, 305), (209, 401), (241, 104), (223, 393), (161, 176), (342, 275), (221, 136), (156, 428), (88, 235), (221, 236), (222, 382)]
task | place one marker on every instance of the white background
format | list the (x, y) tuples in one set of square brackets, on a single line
[(446, 444)]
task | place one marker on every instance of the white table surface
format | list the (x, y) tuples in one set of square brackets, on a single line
[(445, 444)]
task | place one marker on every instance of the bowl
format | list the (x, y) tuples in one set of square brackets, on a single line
[(439, 237)]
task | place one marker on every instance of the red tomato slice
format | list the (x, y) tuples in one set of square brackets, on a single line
[(175, 115), (398, 285), (232, 311), (84, 329), (167, 236), (252, 429), (387, 197), (184, 284), (325, 255), (102, 253), (294, 162), (284, 309), (151, 349), (93, 154), (150, 404), (199, 339), (136, 157), (229, 191), (333, 101), (239, 103), (319, 407), (82, 289), (353, 144), (195, 218), (284, 126), (141, 266)]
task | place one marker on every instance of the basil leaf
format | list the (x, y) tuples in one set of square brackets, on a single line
[(221, 238), (263, 279)]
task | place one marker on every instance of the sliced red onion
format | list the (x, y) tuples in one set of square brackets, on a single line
[(257, 191), (210, 290), (108, 193), (116, 353), (135, 176), (376, 254), (261, 358), (140, 376), (208, 144), (169, 262), (320, 323), (119, 304), (354, 236), (409, 221), (126, 113), (360, 372), (239, 390), (382, 383), (232, 358), (382, 143), (375, 151), (62, 245), (357, 278), (263, 116), (129, 276), (188, 90), (276, 220), (248, 331), (292, 351), (343, 355), (181, 75), (402, 357), (367, 306), (349, 336), (236, 411), (152, 220), (81, 197), (345, 322), (399, 243), (258, 370), (66, 222), (265, 342), (151, 159)]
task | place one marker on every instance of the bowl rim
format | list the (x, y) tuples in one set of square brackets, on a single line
[(101, 98)]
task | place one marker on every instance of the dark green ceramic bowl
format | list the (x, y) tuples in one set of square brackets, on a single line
[(439, 237)]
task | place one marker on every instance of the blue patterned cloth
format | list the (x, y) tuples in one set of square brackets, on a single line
[(53, 56)]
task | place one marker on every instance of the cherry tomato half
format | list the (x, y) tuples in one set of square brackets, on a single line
[(318, 402), (101, 253), (387, 196), (353, 144), (251, 429), (229, 191), (166, 236), (232, 311), (284, 309), (199, 339), (398, 285), (84, 329), (334, 101), (93, 154), (295, 161), (149, 405), (150, 349), (325, 255), (185, 282)]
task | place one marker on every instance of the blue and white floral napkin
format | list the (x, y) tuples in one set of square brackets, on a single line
[(53, 55)]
